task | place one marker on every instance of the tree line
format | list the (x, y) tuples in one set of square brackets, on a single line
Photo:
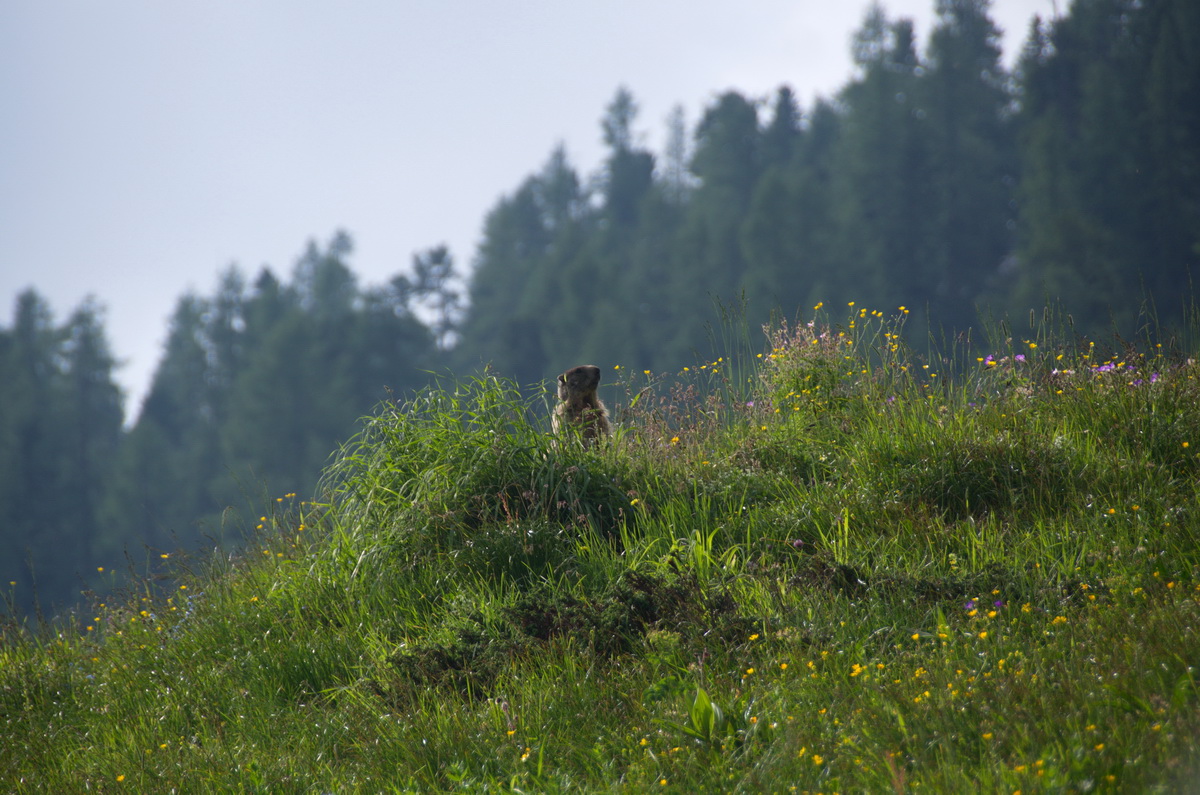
[(257, 385), (935, 178)]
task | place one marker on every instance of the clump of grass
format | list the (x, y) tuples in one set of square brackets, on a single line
[(970, 475), (838, 564), (467, 473)]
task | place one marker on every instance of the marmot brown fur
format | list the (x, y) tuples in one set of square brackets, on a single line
[(581, 407)]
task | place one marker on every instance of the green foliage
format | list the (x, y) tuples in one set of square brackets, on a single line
[(975, 477), (938, 180), (257, 386), (901, 583), (60, 425), (474, 467), (838, 564), (718, 728), (1109, 138), (935, 179)]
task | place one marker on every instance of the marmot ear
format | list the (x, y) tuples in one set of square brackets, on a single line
[(562, 378)]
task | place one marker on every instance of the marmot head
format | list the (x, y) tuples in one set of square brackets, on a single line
[(581, 380)]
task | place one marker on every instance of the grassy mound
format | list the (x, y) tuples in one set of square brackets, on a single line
[(833, 566)]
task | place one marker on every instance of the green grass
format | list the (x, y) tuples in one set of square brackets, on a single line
[(828, 568)]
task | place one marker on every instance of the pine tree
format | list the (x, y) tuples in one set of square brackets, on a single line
[(972, 161), (1109, 201), (92, 417), (883, 170), (1064, 252), (29, 456), (159, 492), (676, 178), (711, 268), (433, 284), (628, 171), (507, 289), (60, 421)]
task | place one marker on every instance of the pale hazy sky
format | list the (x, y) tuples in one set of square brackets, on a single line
[(146, 146)]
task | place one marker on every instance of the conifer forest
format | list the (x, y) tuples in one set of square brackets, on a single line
[(936, 179)]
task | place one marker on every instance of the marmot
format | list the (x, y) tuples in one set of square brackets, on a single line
[(581, 407)]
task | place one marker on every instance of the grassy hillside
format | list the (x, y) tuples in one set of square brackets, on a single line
[(831, 566)]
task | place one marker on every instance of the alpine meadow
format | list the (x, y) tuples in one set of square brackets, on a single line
[(901, 491)]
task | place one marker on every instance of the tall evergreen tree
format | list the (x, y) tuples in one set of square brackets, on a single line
[(883, 170), (1170, 30), (30, 453), (91, 419), (771, 233), (628, 171), (676, 178), (772, 239), (433, 283), (1065, 252), (60, 421), (780, 137), (1109, 201), (159, 490), (256, 389), (499, 330), (711, 267), (728, 153), (821, 268), (591, 314), (972, 164)]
